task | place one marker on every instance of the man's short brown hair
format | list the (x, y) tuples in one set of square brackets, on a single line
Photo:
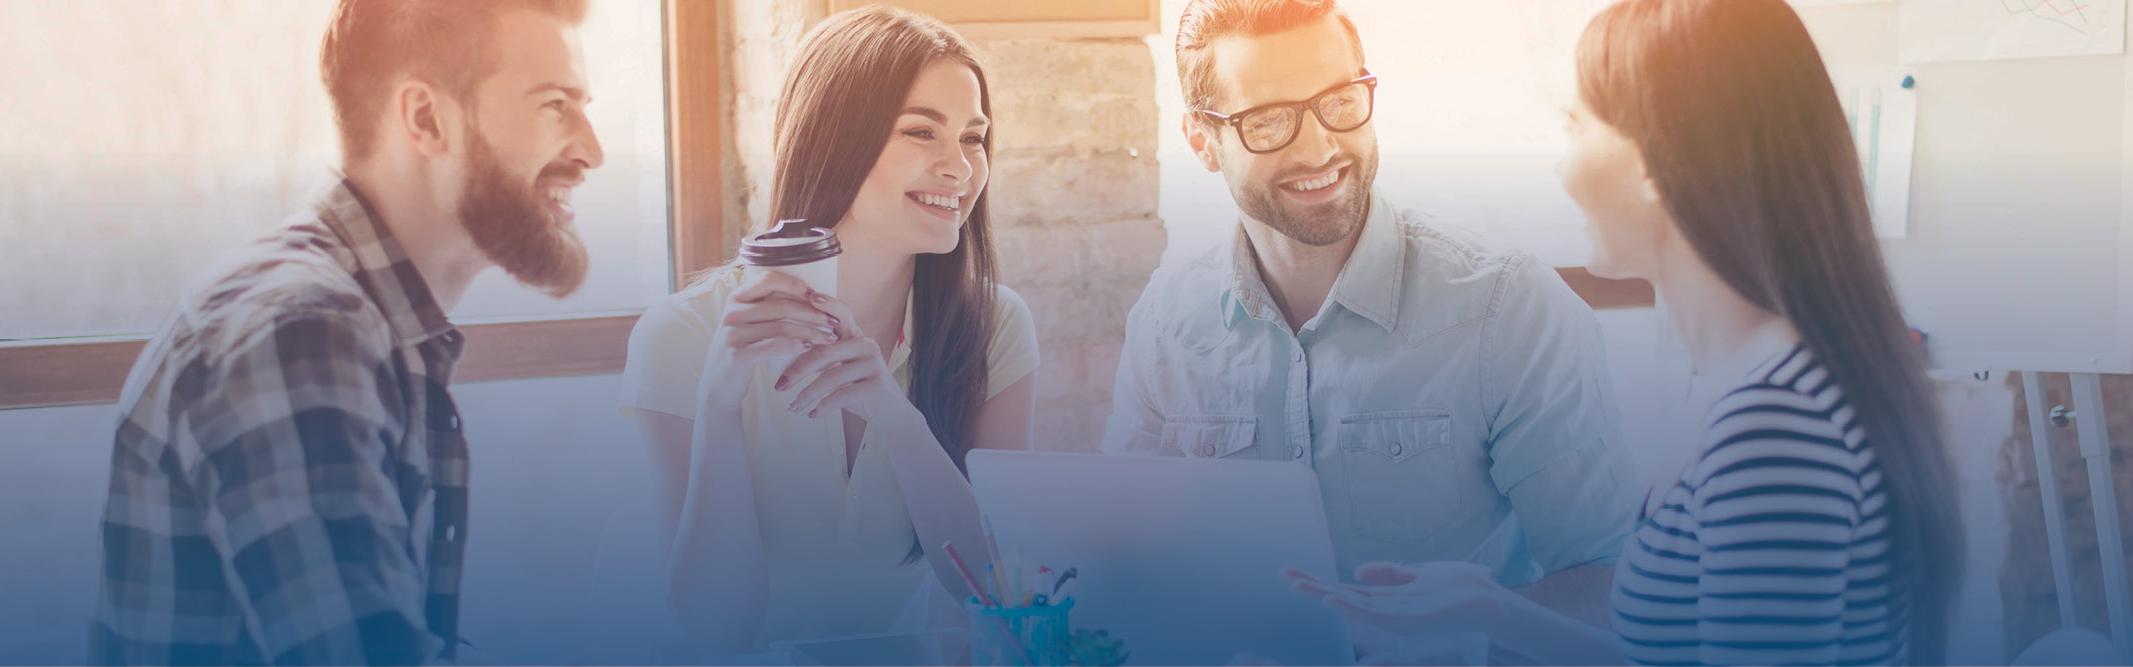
[(371, 44), (1208, 20)]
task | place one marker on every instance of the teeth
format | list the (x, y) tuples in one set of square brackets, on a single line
[(1316, 183), (942, 201)]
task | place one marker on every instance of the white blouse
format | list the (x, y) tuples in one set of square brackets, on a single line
[(834, 543)]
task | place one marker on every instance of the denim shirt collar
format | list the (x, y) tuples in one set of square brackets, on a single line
[(1369, 284)]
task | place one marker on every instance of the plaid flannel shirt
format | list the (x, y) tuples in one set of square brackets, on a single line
[(288, 479)]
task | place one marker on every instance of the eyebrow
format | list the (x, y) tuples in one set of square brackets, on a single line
[(573, 92), (938, 117)]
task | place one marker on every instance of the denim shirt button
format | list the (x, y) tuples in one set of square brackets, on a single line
[(1207, 449), (1296, 452), (1397, 448)]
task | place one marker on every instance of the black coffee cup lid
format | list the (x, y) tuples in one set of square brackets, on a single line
[(788, 243)]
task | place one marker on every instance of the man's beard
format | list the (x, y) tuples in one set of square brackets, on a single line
[(1319, 225), (512, 226)]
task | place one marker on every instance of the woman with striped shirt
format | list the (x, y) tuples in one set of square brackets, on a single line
[(1816, 524)]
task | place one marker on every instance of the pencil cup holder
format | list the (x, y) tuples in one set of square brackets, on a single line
[(1033, 636)]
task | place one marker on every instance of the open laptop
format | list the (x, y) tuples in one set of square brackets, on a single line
[(1180, 558)]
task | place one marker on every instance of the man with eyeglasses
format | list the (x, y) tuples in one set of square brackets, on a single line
[(1454, 402)]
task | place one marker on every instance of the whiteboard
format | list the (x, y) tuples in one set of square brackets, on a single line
[(2019, 240), (1950, 30)]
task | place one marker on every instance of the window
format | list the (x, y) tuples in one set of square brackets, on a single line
[(153, 135), (144, 138)]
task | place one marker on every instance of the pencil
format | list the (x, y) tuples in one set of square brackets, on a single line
[(1018, 589), (998, 567), (1006, 630), (968, 580)]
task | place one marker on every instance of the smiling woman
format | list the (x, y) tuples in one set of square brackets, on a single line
[(855, 402), (152, 136)]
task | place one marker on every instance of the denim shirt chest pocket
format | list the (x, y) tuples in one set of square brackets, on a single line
[(1209, 436), (1400, 475)]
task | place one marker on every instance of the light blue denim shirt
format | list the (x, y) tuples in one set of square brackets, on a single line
[(1454, 402)]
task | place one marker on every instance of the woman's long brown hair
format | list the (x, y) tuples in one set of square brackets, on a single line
[(1739, 126), (839, 103)]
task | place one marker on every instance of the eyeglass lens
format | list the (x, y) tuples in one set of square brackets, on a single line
[(1340, 110)]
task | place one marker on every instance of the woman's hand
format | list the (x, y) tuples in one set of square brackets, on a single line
[(768, 317), (1447, 596), (848, 374)]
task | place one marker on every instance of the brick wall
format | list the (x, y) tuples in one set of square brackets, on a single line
[(1073, 189)]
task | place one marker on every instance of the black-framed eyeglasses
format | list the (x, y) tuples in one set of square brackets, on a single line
[(1271, 127)]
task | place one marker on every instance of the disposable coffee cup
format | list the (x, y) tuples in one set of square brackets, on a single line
[(803, 251), (799, 249)]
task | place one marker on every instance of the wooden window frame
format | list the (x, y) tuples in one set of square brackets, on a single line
[(35, 374), (1149, 23), (90, 371)]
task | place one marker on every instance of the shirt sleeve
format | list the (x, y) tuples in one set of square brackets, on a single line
[(1775, 556), (667, 351), (1136, 425), (297, 430), (1012, 353), (1555, 442)]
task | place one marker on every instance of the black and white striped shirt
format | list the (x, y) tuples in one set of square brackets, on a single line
[(1772, 547)]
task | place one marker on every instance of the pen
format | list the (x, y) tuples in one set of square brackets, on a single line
[(1064, 577), (1061, 590)]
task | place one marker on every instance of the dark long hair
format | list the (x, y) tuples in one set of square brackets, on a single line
[(839, 104), (1733, 111)]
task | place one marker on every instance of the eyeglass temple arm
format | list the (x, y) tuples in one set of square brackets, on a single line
[(1217, 115)]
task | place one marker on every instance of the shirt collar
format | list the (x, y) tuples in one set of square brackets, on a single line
[(1369, 284), (1247, 293), (381, 265), (900, 353)]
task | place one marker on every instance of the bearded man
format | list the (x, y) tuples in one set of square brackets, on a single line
[(289, 476), (1453, 400)]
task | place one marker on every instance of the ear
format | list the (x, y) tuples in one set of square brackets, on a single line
[(1202, 141), (1646, 186), (419, 114), (1649, 189)]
